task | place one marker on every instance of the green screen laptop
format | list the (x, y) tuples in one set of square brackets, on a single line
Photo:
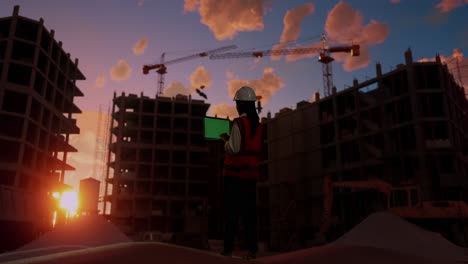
[(216, 126)]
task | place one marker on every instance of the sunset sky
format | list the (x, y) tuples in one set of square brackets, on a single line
[(114, 39)]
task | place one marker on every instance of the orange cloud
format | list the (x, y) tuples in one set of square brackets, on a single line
[(268, 85), (292, 25), (344, 24), (175, 88), (140, 46), (395, 1), (121, 71), (226, 18), (223, 111), (200, 77), (229, 74), (100, 81), (448, 5)]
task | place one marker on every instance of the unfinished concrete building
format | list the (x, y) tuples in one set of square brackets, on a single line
[(37, 88), (159, 179), (289, 189), (396, 142), (402, 140)]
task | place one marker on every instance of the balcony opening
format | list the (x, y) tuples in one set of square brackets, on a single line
[(146, 137), (39, 84), (178, 173), (49, 92), (199, 110), (146, 155), (198, 189), (144, 172), (5, 28), (162, 156), (32, 133), (163, 122), (124, 206), (147, 122), (179, 157), (148, 106), (26, 30), (180, 139), (28, 156), (55, 51), (10, 151), (128, 154), (19, 74), (43, 139), (143, 188), (164, 107), (177, 208), (12, 126), (45, 40), (23, 52), (197, 140), (64, 62), (198, 174), (52, 73), (161, 172), (159, 208), (177, 189), (180, 123), (180, 108), (46, 118), (160, 188), (197, 124), (15, 102), (8, 177)]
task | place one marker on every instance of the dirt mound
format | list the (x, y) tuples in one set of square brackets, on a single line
[(388, 231)]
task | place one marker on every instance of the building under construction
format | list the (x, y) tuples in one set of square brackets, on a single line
[(396, 142), (37, 88), (160, 179)]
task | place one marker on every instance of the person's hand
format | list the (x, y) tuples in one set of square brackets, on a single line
[(224, 137)]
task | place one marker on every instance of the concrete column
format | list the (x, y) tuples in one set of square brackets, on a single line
[(424, 179)]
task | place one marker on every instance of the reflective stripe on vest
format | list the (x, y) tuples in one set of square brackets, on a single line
[(245, 163)]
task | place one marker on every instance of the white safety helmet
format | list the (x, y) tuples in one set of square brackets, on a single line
[(245, 93)]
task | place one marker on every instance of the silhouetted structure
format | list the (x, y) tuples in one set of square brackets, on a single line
[(37, 88), (162, 179), (89, 196), (398, 142)]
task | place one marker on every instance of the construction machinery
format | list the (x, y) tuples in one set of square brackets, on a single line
[(161, 68), (404, 201), (324, 57)]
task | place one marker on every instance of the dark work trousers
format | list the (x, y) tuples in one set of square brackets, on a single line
[(240, 200)]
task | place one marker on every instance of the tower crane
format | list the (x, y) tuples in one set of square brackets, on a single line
[(161, 68), (324, 57)]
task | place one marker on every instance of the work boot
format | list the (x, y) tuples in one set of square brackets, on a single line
[(250, 255)]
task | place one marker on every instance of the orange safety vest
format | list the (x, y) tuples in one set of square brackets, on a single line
[(244, 164)]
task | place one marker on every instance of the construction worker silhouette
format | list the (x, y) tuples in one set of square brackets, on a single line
[(241, 173)]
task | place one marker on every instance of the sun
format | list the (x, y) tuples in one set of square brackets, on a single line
[(69, 202)]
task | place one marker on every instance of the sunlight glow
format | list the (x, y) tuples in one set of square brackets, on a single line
[(56, 195), (54, 220), (69, 202)]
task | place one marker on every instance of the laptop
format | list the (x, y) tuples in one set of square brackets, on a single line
[(214, 127)]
